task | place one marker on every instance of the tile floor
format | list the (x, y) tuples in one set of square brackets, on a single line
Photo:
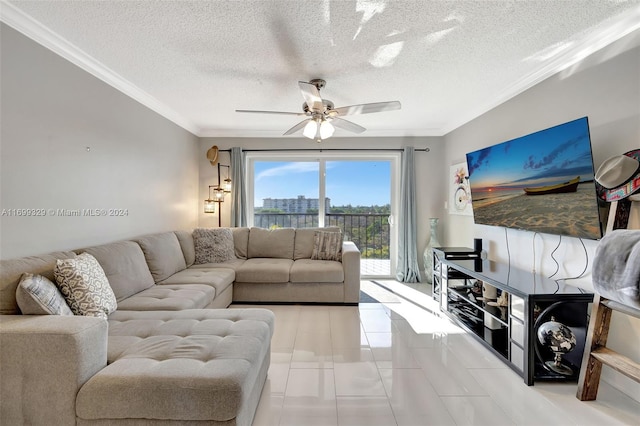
[(396, 363)]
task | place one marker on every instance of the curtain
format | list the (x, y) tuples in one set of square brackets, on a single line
[(407, 269), (238, 188)]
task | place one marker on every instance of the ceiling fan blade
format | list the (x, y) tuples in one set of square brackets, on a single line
[(311, 96), (270, 112), (368, 108), (347, 125), (297, 127)]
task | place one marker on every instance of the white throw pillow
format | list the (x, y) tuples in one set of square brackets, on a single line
[(327, 246), (37, 295), (85, 286), (213, 245)]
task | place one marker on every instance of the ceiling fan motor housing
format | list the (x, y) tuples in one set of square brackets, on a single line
[(318, 82), (328, 106)]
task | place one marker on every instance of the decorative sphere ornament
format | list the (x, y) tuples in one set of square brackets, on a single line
[(560, 340)]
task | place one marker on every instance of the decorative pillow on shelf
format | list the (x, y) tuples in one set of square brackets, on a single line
[(213, 245), (37, 295), (327, 246), (85, 286)]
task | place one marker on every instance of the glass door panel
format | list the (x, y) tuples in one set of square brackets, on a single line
[(286, 194), (358, 196)]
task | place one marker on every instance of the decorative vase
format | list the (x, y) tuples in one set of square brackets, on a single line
[(428, 251)]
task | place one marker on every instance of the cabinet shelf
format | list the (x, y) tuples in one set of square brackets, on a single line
[(480, 304)]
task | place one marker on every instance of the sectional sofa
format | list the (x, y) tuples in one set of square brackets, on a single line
[(170, 353)]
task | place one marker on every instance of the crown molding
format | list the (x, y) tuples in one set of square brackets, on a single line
[(23, 23), (615, 28), (231, 133)]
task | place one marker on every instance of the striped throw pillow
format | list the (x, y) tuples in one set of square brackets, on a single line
[(37, 295), (327, 246)]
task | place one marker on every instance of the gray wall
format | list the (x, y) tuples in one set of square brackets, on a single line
[(70, 141), (430, 170), (606, 88)]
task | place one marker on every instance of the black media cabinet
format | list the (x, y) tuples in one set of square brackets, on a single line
[(510, 331)]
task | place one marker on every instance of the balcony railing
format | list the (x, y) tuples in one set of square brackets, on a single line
[(370, 232)]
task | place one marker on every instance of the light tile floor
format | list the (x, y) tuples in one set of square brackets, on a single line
[(397, 363)]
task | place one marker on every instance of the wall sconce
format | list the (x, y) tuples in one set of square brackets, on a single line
[(219, 191)]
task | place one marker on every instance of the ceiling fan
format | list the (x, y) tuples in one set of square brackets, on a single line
[(323, 116)]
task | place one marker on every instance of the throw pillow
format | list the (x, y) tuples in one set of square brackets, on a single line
[(37, 295), (85, 286), (327, 246), (213, 245)]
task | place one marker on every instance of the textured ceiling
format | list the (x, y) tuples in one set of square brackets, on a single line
[(447, 62)]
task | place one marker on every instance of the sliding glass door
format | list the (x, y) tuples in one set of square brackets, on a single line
[(353, 192)]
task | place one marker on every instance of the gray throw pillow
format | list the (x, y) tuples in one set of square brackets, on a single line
[(327, 246), (37, 295), (213, 245)]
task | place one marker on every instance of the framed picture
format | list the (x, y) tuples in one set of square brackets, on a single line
[(460, 192)]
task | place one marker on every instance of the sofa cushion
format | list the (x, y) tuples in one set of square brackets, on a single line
[(264, 270), (316, 271), (304, 241), (185, 239), (170, 297), (219, 278), (163, 254), (184, 366), (125, 266), (274, 243), (213, 245), (327, 246), (241, 242), (11, 271), (38, 295), (85, 287), (230, 264)]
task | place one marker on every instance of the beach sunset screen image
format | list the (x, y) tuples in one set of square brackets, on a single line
[(542, 182)]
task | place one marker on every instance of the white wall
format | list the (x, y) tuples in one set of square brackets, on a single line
[(606, 88), (70, 141)]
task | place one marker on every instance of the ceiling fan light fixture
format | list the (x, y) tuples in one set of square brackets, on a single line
[(310, 129), (320, 112), (326, 129)]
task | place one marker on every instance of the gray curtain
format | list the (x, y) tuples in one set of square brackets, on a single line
[(238, 188), (407, 269)]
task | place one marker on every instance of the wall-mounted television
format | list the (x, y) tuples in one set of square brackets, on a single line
[(542, 182)]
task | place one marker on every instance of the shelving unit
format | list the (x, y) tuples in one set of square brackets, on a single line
[(442, 253), (530, 300)]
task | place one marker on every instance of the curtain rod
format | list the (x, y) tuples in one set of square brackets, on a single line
[(327, 149)]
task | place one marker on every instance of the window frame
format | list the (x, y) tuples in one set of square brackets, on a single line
[(322, 157)]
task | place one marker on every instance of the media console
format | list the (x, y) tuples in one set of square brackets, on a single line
[(520, 303)]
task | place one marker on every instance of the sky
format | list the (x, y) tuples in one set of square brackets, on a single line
[(546, 157), (359, 183)]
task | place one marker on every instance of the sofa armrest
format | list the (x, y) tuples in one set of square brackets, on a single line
[(351, 266), (44, 360)]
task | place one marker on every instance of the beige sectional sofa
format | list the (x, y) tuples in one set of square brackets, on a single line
[(164, 356)]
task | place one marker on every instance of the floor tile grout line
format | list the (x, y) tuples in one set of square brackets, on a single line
[(386, 393)]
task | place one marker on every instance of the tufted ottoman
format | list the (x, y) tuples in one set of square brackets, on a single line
[(201, 366)]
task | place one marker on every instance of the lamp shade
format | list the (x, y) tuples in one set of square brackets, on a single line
[(209, 206), (218, 194), (227, 185), (310, 129), (326, 130)]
